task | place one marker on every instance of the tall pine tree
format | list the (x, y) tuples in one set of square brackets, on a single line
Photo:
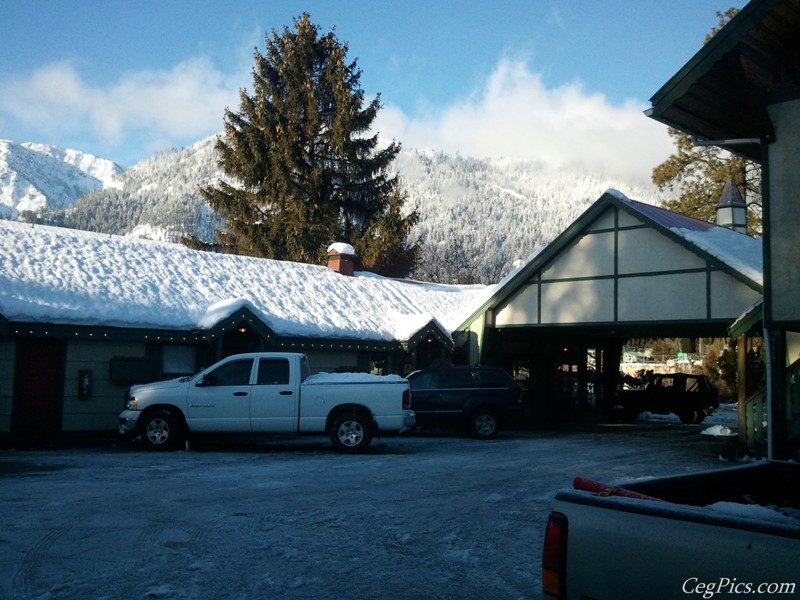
[(303, 170), (699, 173)]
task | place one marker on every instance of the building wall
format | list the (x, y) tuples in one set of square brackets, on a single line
[(783, 216), (100, 411), (6, 383), (330, 360), (621, 270)]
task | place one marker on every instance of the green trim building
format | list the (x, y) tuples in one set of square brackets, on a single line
[(83, 316), (741, 92)]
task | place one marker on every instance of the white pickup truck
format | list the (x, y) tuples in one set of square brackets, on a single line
[(732, 533), (268, 392)]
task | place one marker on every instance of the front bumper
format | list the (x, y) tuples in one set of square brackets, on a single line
[(128, 420)]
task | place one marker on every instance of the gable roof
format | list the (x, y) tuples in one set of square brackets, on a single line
[(66, 276), (735, 253), (722, 93)]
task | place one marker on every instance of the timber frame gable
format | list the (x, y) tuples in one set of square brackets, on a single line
[(613, 261)]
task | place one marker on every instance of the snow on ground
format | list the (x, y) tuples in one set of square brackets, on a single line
[(725, 416), (419, 516)]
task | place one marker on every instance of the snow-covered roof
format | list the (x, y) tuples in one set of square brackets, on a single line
[(740, 252), (66, 276)]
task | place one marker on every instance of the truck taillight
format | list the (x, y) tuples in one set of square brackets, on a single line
[(406, 400), (554, 556)]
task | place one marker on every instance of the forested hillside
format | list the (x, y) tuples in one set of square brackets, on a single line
[(480, 216), (477, 217)]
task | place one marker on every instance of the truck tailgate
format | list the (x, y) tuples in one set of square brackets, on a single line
[(629, 548)]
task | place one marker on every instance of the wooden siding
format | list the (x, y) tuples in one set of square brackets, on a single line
[(101, 410)]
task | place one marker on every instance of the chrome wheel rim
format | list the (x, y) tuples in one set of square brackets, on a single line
[(157, 431), (351, 433), (485, 425)]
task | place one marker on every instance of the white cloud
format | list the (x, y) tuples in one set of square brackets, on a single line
[(516, 115), (513, 115), (185, 102)]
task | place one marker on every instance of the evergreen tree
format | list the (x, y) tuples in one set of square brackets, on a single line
[(303, 172), (699, 173)]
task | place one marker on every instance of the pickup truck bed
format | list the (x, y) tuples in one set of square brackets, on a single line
[(725, 532)]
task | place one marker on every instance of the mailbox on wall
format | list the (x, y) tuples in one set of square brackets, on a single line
[(84, 384)]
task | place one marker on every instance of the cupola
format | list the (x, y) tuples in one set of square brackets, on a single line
[(731, 209)]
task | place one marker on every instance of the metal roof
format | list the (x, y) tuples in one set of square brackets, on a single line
[(731, 196), (669, 219)]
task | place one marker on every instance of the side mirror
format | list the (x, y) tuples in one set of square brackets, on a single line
[(204, 381)]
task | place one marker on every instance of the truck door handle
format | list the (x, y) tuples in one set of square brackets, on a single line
[(240, 393), (285, 393)]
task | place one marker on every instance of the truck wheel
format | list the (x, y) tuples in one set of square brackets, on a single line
[(630, 413), (690, 416), (483, 424), (161, 430), (351, 432)]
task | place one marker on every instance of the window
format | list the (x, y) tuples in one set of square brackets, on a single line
[(494, 378), (457, 378), (422, 381), (178, 360), (667, 382), (273, 371), (232, 373)]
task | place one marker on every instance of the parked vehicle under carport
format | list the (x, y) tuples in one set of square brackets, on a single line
[(481, 400), (689, 396)]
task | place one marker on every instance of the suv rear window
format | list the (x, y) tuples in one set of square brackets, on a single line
[(422, 381), (495, 378), (458, 378)]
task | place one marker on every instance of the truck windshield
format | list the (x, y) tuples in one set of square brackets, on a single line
[(305, 370)]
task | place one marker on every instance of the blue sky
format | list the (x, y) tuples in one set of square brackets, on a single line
[(560, 81)]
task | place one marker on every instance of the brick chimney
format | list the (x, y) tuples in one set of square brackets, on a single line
[(341, 258)]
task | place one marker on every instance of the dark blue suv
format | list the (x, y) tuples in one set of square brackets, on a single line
[(479, 399)]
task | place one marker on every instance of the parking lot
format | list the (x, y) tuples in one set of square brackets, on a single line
[(418, 516)]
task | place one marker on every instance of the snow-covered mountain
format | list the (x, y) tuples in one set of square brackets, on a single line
[(498, 211), (35, 177)]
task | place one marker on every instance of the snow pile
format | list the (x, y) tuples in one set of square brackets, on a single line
[(751, 511), (342, 248), (719, 431), (741, 252), (65, 276), (724, 418), (325, 378)]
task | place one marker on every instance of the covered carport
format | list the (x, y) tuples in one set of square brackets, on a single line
[(622, 270)]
